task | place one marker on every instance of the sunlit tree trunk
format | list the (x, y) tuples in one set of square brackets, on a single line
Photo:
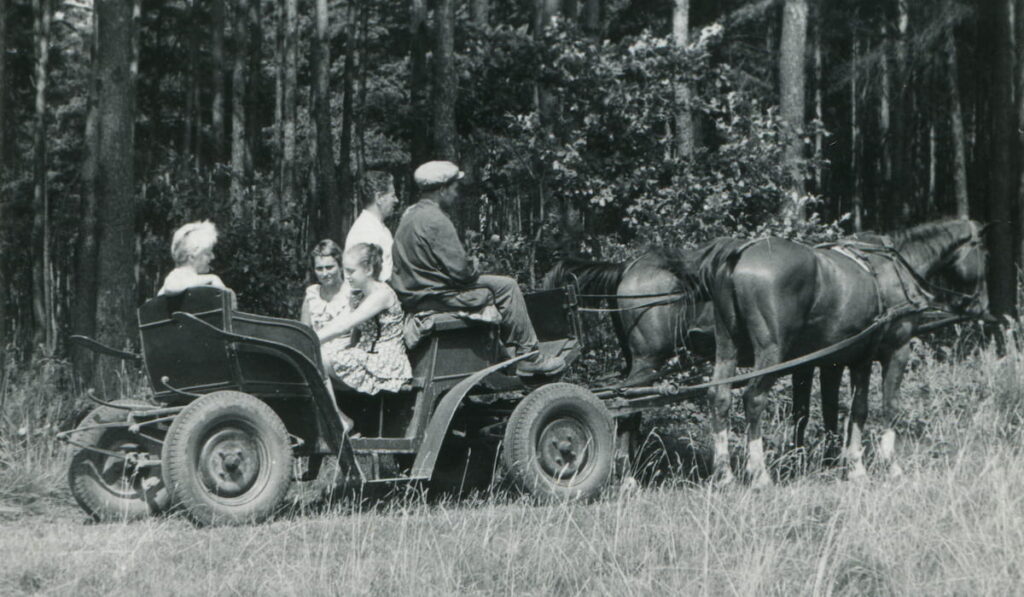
[(899, 198), (40, 199), (792, 78), (684, 119), (289, 182), (347, 109), (331, 204), (855, 145), (239, 144), (957, 128), (217, 22), (115, 175), (253, 83), (84, 306)]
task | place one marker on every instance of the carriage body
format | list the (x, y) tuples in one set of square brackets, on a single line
[(231, 388)]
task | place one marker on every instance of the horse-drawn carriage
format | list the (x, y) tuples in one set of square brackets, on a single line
[(237, 398)]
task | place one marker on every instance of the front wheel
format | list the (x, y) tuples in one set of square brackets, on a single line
[(560, 444), (115, 472), (227, 459)]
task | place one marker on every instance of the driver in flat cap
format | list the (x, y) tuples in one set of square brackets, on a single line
[(433, 272)]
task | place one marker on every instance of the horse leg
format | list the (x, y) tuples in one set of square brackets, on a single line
[(620, 335), (721, 400), (892, 375), (831, 376), (801, 403), (754, 401), (860, 376)]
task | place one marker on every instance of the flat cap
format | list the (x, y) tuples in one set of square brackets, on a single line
[(436, 174)]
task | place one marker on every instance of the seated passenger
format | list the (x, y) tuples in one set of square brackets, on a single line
[(377, 196), (192, 250), (433, 272), (329, 299), (375, 361)]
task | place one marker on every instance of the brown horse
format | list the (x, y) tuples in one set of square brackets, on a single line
[(653, 314), (777, 300)]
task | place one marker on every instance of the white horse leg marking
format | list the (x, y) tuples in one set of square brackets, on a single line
[(887, 453), (755, 464), (855, 455), (722, 469)]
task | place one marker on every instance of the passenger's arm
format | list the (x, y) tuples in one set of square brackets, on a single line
[(372, 305), (304, 315)]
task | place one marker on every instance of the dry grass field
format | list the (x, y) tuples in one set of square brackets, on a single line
[(953, 524)]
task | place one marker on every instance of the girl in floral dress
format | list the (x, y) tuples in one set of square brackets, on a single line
[(374, 360)]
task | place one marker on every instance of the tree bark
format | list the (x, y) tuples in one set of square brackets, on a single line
[(900, 196), (239, 143), (855, 145), (684, 119), (253, 82), (40, 198), (995, 18), (84, 306), (445, 84), (592, 17), (290, 102), (347, 111), (957, 128), (217, 22), (418, 79), (331, 204), (1019, 80), (791, 89), (115, 176), (3, 173)]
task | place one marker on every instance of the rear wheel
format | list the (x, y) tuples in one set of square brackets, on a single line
[(116, 475), (560, 444), (227, 459)]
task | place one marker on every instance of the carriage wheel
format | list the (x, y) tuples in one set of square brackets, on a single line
[(227, 459), (117, 483), (559, 444)]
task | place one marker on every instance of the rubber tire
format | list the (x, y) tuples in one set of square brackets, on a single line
[(203, 420), (100, 495), (561, 403)]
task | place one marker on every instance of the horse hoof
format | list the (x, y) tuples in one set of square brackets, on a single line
[(723, 478)]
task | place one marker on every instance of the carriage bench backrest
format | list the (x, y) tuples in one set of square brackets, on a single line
[(198, 363)]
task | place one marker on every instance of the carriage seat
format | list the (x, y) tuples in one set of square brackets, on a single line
[(421, 324)]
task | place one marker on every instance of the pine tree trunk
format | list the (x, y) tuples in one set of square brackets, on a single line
[(445, 84), (289, 181), (217, 22), (957, 128), (190, 82), (792, 89), (1019, 80), (239, 182), (418, 80), (253, 83), (995, 19), (40, 198), (857, 199), (331, 204), (684, 119), (592, 17), (3, 175), (347, 184), (84, 306), (115, 175), (900, 193)]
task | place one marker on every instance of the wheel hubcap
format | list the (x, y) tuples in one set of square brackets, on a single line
[(230, 462), (563, 448)]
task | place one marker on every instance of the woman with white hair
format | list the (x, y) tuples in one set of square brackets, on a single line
[(192, 250)]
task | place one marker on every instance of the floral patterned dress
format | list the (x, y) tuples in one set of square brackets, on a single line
[(377, 362)]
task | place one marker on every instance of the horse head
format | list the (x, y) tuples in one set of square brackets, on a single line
[(966, 272)]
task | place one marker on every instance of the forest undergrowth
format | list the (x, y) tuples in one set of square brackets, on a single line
[(952, 524)]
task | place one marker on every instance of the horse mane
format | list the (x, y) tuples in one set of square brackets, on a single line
[(930, 242), (696, 268), (594, 277)]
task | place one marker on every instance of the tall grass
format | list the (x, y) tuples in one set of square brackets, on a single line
[(953, 524)]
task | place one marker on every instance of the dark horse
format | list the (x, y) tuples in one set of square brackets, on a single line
[(777, 300), (653, 312)]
